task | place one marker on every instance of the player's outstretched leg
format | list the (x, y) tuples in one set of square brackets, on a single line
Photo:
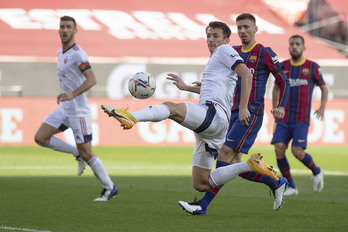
[(123, 116)]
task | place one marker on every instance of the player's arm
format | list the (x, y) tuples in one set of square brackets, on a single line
[(281, 81), (246, 79), (324, 95), (275, 96), (86, 85), (195, 88)]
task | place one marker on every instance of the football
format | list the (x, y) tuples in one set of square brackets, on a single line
[(142, 85)]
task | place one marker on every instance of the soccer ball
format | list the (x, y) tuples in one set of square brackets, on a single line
[(142, 85)]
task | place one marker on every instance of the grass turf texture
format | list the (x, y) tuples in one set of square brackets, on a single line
[(39, 190)]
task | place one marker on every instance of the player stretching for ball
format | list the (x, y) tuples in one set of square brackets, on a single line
[(209, 118), (261, 61), (304, 75), (75, 78)]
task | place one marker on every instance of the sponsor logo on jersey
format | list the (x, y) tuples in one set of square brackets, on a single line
[(297, 82), (253, 59)]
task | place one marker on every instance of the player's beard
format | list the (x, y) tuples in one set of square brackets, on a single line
[(67, 39), (296, 55)]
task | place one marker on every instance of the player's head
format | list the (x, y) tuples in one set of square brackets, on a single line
[(246, 25), (218, 33), (67, 29), (296, 46)]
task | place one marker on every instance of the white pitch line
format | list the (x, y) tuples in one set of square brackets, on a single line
[(153, 167), (21, 229)]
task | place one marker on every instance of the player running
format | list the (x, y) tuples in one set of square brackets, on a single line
[(75, 78)]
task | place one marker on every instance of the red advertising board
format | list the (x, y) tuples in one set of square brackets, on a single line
[(21, 117)]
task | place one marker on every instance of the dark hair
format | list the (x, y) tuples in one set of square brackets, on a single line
[(246, 16), (297, 37), (217, 24), (68, 18)]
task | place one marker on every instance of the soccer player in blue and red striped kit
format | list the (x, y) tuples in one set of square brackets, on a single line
[(303, 75)]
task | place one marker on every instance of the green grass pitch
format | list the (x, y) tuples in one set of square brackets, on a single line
[(40, 191)]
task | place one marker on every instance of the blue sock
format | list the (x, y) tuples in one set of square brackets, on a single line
[(284, 168), (210, 195), (309, 163), (257, 177)]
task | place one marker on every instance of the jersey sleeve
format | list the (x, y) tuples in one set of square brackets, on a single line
[(317, 75), (273, 65), (230, 57), (82, 62)]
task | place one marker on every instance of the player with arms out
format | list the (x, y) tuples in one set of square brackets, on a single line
[(209, 118), (304, 75), (261, 61), (75, 77)]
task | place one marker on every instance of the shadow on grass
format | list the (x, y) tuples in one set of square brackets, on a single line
[(150, 204)]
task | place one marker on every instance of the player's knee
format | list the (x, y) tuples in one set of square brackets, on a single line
[(298, 152), (86, 155), (279, 149), (40, 140), (226, 154)]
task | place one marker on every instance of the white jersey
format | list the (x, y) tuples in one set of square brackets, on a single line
[(219, 80), (70, 66)]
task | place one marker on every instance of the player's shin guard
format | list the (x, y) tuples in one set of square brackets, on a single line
[(210, 195)]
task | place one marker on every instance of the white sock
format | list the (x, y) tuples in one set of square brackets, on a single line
[(152, 113), (224, 174), (98, 168), (60, 145)]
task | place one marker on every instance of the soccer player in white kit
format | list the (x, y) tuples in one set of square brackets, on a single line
[(209, 119), (75, 77)]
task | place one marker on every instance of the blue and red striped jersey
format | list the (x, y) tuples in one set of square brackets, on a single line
[(261, 61), (303, 77)]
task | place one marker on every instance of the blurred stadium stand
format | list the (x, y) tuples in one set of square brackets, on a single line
[(159, 37)]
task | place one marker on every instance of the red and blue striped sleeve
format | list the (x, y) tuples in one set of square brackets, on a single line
[(272, 63)]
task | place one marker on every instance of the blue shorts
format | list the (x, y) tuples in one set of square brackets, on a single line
[(284, 132), (240, 138)]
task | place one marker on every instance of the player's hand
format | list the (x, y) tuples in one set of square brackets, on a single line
[(244, 116), (177, 81), (278, 112), (319, 113), (197, 83), (65, 97)]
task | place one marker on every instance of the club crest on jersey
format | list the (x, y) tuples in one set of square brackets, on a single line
[(66, 60), (253, 59), (305, 71)]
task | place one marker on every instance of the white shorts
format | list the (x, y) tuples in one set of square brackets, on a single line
[(214, 135), (81, 126)]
